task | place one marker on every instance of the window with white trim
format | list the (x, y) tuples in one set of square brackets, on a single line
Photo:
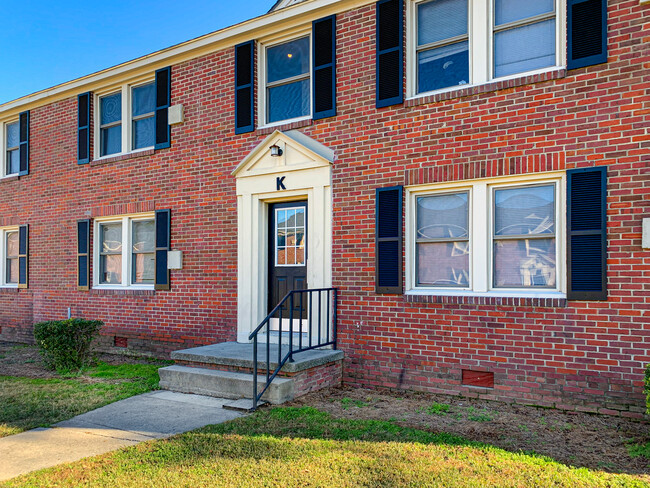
[(9, 240), (10, 142), (460, 42), (286, 80), (500, 237), (125, 119), (124, 252)]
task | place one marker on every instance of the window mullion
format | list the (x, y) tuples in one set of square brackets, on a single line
[(480, 42), (480, 238), (126, 245), (126, 119)]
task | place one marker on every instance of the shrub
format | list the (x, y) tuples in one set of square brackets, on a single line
[(66, 345), (647, 389)]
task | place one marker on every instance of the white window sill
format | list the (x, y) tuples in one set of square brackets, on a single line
[(12, 176), (124, 155), (284, 122), (121, 287), (516, 79), (493, 294), (9, 287)]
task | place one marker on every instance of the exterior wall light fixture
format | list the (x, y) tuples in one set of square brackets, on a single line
[(276, 151)]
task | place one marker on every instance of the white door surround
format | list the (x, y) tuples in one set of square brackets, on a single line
[(302, 172)]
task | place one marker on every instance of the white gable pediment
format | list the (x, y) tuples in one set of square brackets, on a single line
[(298, 152)]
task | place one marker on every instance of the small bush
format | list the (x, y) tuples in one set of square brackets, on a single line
[(66, 345), (647, 389)]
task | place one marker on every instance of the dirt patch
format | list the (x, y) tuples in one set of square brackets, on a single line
[(25, 360), (577, 439)]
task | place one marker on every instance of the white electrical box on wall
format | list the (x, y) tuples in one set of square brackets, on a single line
[(645, 242), (175, 260), (175, 115)]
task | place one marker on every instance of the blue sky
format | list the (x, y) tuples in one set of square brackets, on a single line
[(45, 43)]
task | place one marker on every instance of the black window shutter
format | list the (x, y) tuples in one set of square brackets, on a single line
[(163, 239), (163, 100), (388, 240), (83, 128), (390, 53), (244, 87), (587, 233), (324, 74), (83, 254), (23, 151), (23, 251), (587, 33)]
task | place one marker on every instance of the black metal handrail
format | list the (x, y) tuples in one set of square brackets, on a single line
[(310, 310)]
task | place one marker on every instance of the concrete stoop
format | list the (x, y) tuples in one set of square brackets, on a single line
[(226, 371)]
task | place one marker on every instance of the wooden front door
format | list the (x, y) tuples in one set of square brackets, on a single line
[(287, 249)]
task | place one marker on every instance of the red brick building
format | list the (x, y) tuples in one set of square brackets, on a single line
[(471, 175)]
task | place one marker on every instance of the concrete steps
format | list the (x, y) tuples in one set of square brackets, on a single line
[(223, 384), (225, 371)]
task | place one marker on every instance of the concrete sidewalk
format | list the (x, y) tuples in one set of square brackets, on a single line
[(153, 415)]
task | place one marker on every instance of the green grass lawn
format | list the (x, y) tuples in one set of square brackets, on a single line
[(303, 447), (26, 403)]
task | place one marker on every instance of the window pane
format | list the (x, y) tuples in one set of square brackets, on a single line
[(441, 19), (506, 11), (144, 132), (111, 238), (524, 263), (144, 99), (289, 101), (111, 109), (443, 67), (13, 135), (143, 236), (524, 48), (443, 263), (143, 265), (12, 271), (13, 162), (111, 269), (521, 211), (287, 60), (443, 216), (12, 244), (111, 140)]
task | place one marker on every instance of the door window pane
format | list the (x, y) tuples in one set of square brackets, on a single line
[(290, 237), (524, 48)]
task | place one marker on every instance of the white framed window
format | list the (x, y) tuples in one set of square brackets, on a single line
[(10, 143), (285, 79), (502, 237), (125, 119), (9, 240), (453, 43), (124, 252)]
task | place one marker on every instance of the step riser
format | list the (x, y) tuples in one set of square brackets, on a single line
[(222, 384)]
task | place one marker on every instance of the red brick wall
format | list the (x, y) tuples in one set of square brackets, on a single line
[(585, 354)]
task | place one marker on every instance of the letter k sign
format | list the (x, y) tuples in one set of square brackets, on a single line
[(279, 183)]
